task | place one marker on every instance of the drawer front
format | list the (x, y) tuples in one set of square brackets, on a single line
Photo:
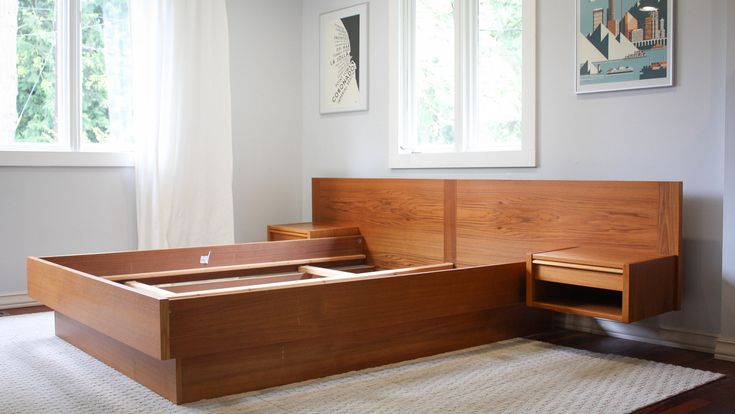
[(278, 236), (579, 277)]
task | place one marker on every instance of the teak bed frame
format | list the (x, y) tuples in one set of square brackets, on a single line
[(434, 266)]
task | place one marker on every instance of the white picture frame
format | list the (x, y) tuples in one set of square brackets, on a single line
[(630, 48), (343, 60)]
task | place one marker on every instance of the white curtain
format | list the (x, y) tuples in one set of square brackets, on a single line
[(8, 70), (182, 122)]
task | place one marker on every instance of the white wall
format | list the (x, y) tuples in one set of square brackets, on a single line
[(52, 211), (265, 71), (656, 134)]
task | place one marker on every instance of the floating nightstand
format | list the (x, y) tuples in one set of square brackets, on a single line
[(620, 285)]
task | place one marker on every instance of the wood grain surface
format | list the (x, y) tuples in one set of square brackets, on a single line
[(135, 318), (476, 222), (221, 323), (108, 264), (401, 220), (160, 376), (500, 221), (287, 362)]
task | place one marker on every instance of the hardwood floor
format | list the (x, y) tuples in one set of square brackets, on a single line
[(715, 397), (23, 311)]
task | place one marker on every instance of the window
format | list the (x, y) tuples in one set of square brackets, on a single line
[(65, 75), (463, 90)]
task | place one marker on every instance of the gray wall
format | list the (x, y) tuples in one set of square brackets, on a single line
[(656, 134), (58, 210), (265, 65), (51, 211)]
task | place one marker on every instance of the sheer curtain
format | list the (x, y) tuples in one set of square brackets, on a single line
[(8, 70), (182, 122)]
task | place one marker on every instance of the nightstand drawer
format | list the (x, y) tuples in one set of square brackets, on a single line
[(591, 276)]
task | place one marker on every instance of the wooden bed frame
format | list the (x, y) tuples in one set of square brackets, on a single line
[(438, 265)]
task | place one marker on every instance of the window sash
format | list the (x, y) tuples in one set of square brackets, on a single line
[(69, 130), (403, 147)]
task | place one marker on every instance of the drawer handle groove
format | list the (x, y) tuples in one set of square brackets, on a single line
[(578, 266)]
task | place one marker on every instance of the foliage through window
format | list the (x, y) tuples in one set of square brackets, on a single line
[(466, 82), (65, 76)]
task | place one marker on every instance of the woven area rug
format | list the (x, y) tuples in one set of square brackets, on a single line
[(41, 373)]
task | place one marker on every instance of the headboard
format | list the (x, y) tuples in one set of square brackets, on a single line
[(409, 222)]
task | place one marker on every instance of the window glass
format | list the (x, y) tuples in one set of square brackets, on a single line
[(434, 76), (28, 71), (499, 76), (106, 91)]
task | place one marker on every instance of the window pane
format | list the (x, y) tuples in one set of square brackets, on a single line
[(27, 71), (435, 74), (499, 75), (106, 91)]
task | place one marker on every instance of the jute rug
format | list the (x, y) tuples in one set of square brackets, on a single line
[(40, 373)]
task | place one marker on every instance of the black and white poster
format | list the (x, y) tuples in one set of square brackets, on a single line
[(343, 60)]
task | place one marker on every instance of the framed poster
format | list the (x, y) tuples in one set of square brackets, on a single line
[(624, 44), (343, 60)]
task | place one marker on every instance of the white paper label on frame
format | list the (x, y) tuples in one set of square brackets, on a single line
[(343, 60)]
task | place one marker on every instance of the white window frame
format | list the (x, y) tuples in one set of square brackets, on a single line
[(69, 150), (402, 106)]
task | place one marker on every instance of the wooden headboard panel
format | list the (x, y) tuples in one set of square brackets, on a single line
[(408, 222)]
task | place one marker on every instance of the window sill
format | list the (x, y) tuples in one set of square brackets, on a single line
[(66, 159), (494, 159)]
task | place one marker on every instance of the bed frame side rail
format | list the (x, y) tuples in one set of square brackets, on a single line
[(135, 318)]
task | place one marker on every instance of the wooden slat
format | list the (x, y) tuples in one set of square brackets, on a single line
[(336, 309), (203, 285), (110, 264), (158, 375), (320, 271), (158, 292), (410, 270), (402, 220), (239, 273), (236, 281), (283, 363), (322, 276), (132, 317), (228, 269)]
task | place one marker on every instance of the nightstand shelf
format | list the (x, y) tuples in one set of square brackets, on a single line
[(620, 285)]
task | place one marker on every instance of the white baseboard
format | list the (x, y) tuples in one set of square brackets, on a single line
[(695, 341), (16, 300), (725, 349)]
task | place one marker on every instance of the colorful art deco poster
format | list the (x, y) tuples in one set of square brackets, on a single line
[(624, 44), (343, 60)]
